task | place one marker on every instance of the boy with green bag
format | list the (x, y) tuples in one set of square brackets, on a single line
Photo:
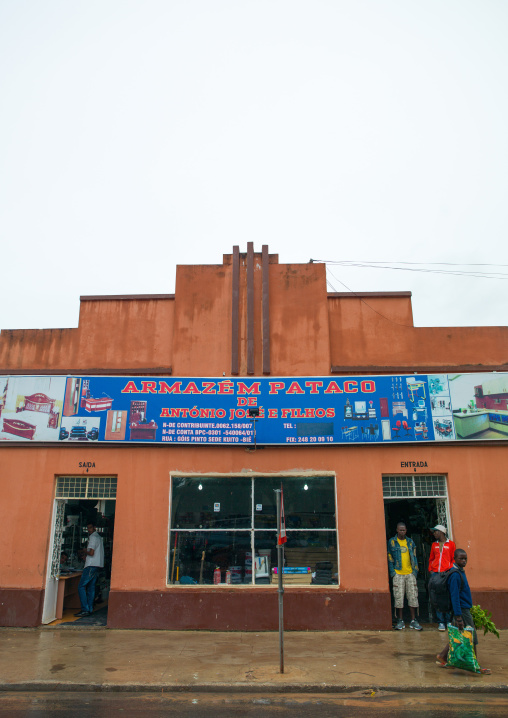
[(462, 636)]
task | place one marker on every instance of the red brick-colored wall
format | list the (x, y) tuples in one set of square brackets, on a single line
[(380, 333), (112, 335), (477, 489), (310, 333)]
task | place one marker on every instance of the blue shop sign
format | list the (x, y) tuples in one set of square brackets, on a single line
[(261, 410)]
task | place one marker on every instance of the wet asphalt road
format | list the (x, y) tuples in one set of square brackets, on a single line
[(215, 705)]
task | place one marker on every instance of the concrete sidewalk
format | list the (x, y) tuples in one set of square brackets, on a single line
[(101, 659)]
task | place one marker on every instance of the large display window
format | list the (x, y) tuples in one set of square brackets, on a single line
[(223, 530)]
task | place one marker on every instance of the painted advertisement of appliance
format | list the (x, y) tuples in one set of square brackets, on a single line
[(441, 407), (302, 410), (480, 405), (258, 410), (299, 410), (31, 407)]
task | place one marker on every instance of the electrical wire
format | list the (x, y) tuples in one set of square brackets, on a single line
[(416, 267), (408, 326), (378, 265), (385, 261)]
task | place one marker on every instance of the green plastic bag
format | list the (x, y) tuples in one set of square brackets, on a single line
[(461, 653)]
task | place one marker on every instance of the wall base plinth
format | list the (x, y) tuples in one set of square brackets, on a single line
[(249, 610), (21, 607)]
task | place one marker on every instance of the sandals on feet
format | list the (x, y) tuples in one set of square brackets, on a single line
[(443, 664)]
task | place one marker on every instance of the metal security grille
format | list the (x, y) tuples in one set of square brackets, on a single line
[(422, 486), (86, 487), (57, 547)]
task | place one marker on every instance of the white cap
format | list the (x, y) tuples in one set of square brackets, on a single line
[(442, 528)]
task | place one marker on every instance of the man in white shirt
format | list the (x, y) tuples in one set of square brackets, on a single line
[(94, 561)]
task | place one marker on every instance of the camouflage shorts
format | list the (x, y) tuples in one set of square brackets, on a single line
[(405, 584)]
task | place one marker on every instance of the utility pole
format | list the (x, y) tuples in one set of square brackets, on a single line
[(280, 589)]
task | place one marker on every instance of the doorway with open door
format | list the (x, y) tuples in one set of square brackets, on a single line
[(79, 501), (421, 502)]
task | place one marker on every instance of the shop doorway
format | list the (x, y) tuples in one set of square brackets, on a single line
[(420, 501), (78, 501)]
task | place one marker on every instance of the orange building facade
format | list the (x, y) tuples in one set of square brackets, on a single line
[(246, 318)]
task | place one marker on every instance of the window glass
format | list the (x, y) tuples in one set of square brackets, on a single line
[(201, 503), (308, 502), (207, 557), (223, 530), (265, 556), (311, 554)]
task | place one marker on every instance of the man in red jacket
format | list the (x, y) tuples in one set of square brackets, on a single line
[(441, 559)]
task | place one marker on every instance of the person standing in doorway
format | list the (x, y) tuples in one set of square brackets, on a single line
[(440, 559), (94, 561), (403, 567)]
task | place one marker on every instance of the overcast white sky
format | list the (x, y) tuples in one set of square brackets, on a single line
[(136, 135)]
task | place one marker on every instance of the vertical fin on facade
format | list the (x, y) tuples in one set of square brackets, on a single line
[(250, 307), (266, 310), (235, 310)]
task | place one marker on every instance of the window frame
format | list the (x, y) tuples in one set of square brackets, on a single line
[(252, 475)]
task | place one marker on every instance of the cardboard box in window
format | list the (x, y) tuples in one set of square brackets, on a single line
[(301, 575)]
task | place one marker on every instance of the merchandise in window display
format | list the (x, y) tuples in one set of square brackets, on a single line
[(206, 545)]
